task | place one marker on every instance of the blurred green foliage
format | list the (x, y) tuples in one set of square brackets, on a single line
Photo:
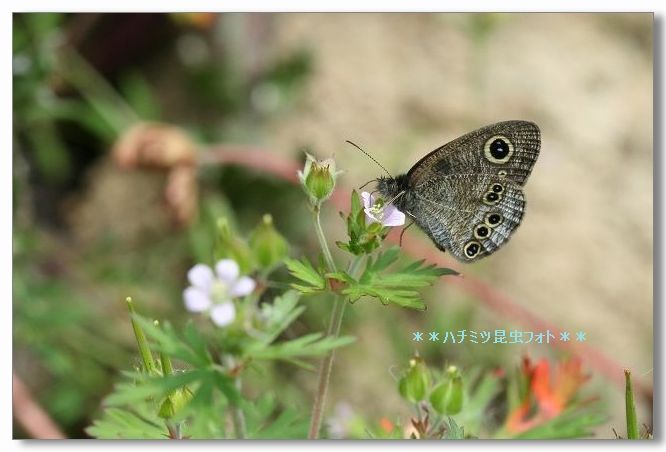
[(69, 333)]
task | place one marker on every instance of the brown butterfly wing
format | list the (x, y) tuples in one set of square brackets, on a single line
[(465, 155), (459, 187)]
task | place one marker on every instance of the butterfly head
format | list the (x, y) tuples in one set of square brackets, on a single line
[(391, 188)]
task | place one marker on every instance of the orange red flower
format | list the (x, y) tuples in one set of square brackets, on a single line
[(546, 398)]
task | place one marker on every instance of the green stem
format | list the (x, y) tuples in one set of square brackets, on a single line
[(333, 330), (167, 367), (632, 422), (237, 416), (328, 257)]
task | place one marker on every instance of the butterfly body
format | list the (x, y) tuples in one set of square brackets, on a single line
[(467, 195)]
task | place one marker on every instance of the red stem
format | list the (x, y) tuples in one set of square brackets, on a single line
[(30, 415)]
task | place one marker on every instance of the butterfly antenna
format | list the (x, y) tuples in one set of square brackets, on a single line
[(370, 157), (362, 186)]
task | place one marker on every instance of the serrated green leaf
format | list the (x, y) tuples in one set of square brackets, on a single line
[(283, 312), (453, 430), (391, 286), (310, 345), (154, 387), (264, 423), (139, 423), (305, 272), (225, 384), (477, 399)]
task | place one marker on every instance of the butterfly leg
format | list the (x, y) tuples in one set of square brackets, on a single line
[(403, 231)]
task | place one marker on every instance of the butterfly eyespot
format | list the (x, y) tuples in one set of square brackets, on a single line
[(498, 149), (481, 231), (493, 219), (501, 173), (472, 248), (497, 188), (491, 198)]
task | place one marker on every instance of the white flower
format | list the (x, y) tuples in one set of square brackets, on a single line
[(378, 212), (213, 292)]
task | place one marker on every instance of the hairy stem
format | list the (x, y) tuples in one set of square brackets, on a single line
[(328, 257), (238, 417), (333, 330)]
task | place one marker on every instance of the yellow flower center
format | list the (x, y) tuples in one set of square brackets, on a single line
[(220, 291), (377, 209)]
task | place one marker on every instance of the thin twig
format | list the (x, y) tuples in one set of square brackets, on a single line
[(30, 415)]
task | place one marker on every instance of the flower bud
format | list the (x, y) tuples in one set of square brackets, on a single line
[(414, 383), (447, 397), (174, 403), (318, 178), (268, 245), (230, 246)]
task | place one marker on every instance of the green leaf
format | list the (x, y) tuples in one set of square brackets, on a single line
[(262, 422), (310, 345), (305, 272), (281, 314), (132, 410), (226, 385), (477, 401), (453, 430), (397, 287), (572, 423), (630, 408), (137, 423), (139, 387), (139, 94)]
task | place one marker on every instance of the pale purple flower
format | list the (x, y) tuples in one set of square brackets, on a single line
[(339, 425), (213, 291), (378, 212)]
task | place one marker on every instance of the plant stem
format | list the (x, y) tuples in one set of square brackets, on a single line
[(328, 257), (237, 416), (333, 330), (174, 430)]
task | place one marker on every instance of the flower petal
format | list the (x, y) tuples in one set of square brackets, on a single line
[(223, 314), (368, 199), (227, 270), (244, 286), (201, 276), (196, 300), (392, 216)]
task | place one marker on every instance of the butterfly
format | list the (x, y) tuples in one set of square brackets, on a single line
[(467, 195)]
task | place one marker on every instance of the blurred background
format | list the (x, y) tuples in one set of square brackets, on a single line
[(92, 225)]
